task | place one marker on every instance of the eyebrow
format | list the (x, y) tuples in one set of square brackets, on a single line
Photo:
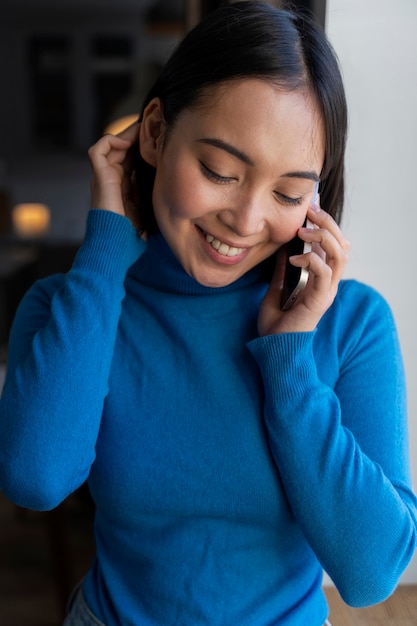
[(227, 147), (307, 174)]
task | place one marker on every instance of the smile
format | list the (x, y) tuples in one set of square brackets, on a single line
[(221, 247)]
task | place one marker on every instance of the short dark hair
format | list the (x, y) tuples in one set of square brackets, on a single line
[(255, 40)]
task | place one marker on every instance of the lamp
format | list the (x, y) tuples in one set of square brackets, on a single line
[(30, 219), (116, 127)]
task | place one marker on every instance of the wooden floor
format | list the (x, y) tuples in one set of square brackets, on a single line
[(399, 610)]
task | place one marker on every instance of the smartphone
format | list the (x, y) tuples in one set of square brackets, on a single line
[(295, 278)]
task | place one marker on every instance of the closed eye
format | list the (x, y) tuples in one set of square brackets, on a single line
[(288, 200), (208, 173)]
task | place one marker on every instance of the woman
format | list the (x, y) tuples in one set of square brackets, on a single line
[(233, 450)]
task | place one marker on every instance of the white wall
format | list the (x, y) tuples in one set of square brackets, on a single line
[(376, 44)]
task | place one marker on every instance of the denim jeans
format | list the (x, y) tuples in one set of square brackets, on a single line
[(79, 613)]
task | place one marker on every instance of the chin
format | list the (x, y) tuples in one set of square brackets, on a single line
[(215, 281)]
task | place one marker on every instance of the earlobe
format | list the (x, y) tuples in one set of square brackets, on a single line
[(152, 131)]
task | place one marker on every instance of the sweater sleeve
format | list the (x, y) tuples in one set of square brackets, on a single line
[(342, 449), (60, 352)]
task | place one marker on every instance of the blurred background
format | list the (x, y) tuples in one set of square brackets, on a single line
[(69, 69)]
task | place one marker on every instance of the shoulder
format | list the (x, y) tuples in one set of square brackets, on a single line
[(34, 308), (360, 291), (43, 289), (356, 302), (359, 317)]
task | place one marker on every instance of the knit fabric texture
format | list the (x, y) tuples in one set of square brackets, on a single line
[(227, 469)]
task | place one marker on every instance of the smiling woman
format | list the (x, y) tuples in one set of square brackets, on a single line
[(227, 197), (233, 449)]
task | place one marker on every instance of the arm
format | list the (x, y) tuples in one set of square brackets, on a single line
[(341, 449), (60, 354), (62, 341)]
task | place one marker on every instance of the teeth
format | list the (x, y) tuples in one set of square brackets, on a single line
[(223, 248)]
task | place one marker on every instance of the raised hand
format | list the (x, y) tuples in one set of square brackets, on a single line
[(112, 186), (326, 263)]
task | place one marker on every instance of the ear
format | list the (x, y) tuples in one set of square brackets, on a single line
[(152, 130)]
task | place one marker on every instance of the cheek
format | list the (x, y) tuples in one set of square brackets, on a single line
[(178, 194), (168, 194), (285, 227)]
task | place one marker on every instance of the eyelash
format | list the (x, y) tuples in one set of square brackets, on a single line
[(288, 200), (213, 176), (225, 179)]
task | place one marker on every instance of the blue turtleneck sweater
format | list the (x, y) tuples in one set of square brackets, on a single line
[(227, 469)]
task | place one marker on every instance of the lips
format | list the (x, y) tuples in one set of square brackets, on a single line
[(223, 248)]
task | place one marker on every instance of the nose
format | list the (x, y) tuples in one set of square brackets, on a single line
[(246, 218)]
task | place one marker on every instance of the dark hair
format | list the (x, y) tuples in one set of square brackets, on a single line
[(254, 40)]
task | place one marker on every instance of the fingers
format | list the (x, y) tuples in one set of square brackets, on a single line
[(327, 260), (324, 222), (131, 133), (109, 144), (112, 168), (107, 152), (329, 243)]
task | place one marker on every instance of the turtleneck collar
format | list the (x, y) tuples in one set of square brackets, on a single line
[(159, 268)]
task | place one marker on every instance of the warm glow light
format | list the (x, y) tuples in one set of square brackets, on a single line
[(30, 220), (116, 127)]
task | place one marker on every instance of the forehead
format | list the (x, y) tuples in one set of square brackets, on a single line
[(260, 118)]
